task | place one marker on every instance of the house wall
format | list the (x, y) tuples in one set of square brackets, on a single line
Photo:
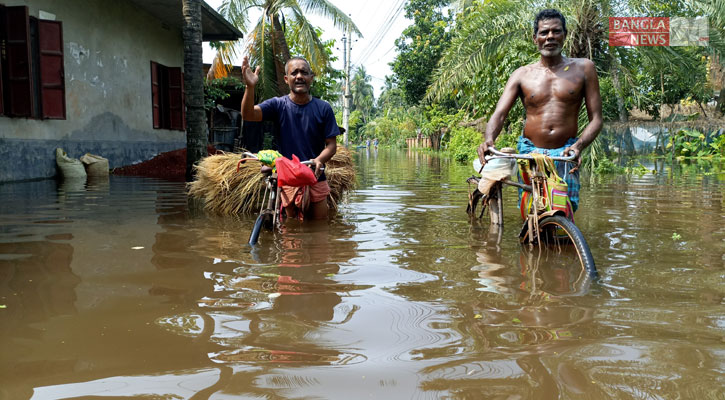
[(108, 48)]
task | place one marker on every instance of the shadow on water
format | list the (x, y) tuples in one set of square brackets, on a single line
[(119, 289)]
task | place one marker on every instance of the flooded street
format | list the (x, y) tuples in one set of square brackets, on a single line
[(119, 289)]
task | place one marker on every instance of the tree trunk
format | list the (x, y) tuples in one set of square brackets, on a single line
[(281, 54), (196, 140), (614, 71)]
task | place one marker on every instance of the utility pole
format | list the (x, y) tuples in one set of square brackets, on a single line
[(345, 109), (347, 55)]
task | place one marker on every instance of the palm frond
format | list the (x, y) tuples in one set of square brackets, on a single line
[(261, 54), (326, 9), (478, 44), (237, 12), (313, 49)]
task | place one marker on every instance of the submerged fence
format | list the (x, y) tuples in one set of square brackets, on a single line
[(646, 137)]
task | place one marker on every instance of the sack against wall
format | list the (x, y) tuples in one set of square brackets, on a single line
[(69, 167), (95, 165)]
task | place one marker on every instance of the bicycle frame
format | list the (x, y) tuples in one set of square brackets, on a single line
[(538, 178), (271, 205), (543, 223)]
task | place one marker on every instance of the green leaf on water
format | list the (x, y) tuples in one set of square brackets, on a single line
[(676, 236), (3, 306)]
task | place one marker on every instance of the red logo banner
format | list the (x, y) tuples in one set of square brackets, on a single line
[(639, 31)]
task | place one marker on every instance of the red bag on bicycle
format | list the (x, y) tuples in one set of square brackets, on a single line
[(293, 172)]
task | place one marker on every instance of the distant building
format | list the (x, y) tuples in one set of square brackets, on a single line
[(95, 76)]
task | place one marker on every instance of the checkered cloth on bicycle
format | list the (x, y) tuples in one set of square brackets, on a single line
[(525, 146)]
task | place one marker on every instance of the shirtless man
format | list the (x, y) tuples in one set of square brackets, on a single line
[(307, 129), (552, 91)]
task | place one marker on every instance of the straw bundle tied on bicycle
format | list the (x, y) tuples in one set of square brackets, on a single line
[(229, 188)]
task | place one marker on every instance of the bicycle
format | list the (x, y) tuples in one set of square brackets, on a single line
[(270, 211), (547, 226)]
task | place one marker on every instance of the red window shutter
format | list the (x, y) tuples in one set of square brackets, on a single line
[(183, 101), (52, 77), (155, 98), (19, 85), (176, 99)]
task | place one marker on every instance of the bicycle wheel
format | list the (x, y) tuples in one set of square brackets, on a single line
[(262, 219), (557, 233)]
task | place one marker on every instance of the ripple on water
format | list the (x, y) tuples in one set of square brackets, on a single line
[(285, 356)]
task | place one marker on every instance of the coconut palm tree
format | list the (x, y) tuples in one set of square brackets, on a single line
[(266, 44), (193, 82), (363, 96)]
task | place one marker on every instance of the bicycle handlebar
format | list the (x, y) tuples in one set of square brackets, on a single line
[(248, 155), (498, 154)]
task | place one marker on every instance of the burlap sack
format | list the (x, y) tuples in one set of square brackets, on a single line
[(95, 165), (69, 167)]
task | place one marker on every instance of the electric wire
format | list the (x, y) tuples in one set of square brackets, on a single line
[(381, 32)]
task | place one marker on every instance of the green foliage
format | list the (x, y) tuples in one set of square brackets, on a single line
[(355, 123), (393, 127), (688, 143), (216, 90), (490, 40), (392, 96), (636, 167), (420, 46), (493, 38), (437, 118), (327, 79), (507, 139), (266, 40), (718, 145), (606, 166), (363, 98), (463, 143)]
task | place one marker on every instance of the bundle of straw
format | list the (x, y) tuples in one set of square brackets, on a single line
[(225, 190), (340, 172)]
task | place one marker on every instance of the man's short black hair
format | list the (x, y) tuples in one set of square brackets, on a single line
[(549, 13), (296, 58)]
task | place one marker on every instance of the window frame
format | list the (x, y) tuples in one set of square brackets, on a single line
[(32, 77), (167, 97)]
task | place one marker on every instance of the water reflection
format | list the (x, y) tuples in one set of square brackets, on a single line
[(120, 289), (267, 310)]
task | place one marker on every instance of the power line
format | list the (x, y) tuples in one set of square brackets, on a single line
[(382, 31)]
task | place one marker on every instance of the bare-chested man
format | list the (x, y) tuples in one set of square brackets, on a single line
[(552, 91)]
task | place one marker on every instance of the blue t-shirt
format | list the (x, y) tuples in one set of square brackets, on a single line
[(302, 128)]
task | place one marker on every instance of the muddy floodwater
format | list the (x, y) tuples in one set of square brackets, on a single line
[(119, 289)]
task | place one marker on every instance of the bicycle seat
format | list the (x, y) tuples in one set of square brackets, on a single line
[(265, 170)]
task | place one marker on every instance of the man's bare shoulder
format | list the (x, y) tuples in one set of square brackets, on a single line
[(521, 72), (526, 68), (583, 63)]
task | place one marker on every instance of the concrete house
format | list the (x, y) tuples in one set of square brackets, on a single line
[(92, 76)]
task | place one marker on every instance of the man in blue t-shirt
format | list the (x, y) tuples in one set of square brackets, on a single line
[(307, 129)]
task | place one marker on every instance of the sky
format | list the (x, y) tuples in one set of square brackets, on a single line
[(370, 16)]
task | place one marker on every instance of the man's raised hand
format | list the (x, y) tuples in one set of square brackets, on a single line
[(250, 78)]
